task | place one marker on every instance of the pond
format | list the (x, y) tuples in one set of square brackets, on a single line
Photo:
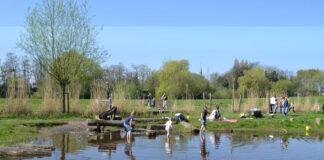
[(184, 146)]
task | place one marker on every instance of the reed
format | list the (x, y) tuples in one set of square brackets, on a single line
[(187, 107), (251, 102), (17, 99), (74, 96), (124, 105), (98, 91), (51, 99), (308, 107)]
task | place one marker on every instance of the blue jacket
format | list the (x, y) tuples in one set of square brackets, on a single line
[(285, 105)]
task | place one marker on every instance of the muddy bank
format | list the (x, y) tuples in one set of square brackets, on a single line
[(71, 126)]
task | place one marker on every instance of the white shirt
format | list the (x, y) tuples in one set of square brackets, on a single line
[(272, 100), (168, 125)]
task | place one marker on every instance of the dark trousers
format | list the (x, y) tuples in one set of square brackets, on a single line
[(271, 108)]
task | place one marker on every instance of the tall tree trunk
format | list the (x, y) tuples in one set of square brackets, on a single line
[(210, 100), (68, 102), (63, 98), (233, 95), (239, 107)]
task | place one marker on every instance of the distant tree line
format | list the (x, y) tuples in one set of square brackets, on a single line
[(174, 78)]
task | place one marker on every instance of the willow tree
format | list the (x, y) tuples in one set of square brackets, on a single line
[(60, 38)]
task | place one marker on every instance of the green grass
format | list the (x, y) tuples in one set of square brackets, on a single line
[(279, 124), (16, 130), (25, 128)]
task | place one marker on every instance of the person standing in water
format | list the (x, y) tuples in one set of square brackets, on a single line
[(203, 116), (168, 126), (128, 125)]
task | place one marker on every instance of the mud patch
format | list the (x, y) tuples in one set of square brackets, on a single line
[(71, 126)]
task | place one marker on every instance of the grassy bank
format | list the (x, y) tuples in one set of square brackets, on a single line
[(25, 128), (15, 130), (293, 123)]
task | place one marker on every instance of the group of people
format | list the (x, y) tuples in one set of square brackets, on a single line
[(151, 102), (215, 115), (284, 106)]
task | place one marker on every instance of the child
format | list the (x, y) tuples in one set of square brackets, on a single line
[(168, 126), (203, 115), (128, 125)]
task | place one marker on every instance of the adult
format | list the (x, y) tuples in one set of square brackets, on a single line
[(292, 106), (276, 106), (164, 99), (153, 102), (288, 101), (281, 105), (272, 104), (215, 115), (128, 125), (285, 106), (203, 118), (110, 100), (149, 100)]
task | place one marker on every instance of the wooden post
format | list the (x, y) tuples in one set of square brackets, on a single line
[(63, 100), (143, 100), (68, 102), (239, 107), (268, 102), (233, 95), (186, 91), (204, 98), (210, 100)]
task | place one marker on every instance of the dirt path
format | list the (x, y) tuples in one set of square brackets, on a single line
[(74, 126)]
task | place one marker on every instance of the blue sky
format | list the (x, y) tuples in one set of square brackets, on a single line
[(288, 34)]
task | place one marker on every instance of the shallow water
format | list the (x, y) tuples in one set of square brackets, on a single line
[(186, 146)]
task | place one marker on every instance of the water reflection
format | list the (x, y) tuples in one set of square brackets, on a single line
[(284, 143), (128, 151), (203, 151), (214, 139), (184, 146), (168, 146), (69, 143)]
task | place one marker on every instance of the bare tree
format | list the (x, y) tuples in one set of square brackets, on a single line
[(59, 36)]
